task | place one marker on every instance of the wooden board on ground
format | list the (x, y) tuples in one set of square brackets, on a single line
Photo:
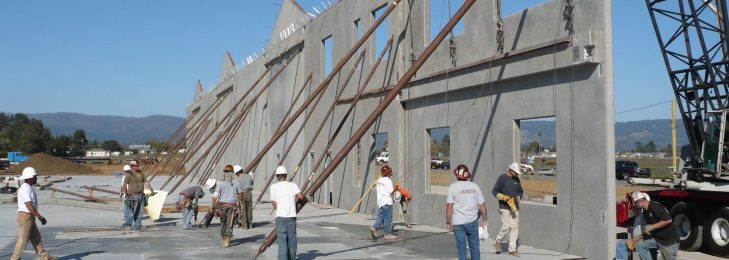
[(155, 204)]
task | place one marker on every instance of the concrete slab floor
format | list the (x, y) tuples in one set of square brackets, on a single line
[(85, 233)]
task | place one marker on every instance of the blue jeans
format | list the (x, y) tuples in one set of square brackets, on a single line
[(467, 232), (133, 211), (286, 232), (642, 248), (187, 218), (668, 252), (384, 217)]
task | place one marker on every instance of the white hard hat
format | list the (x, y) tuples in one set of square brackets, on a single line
[(637, 195), (397, 195), (250, 173), (28, 173), (210, 183), (516, 167), (237, 168), (281, 170), (127, 168)]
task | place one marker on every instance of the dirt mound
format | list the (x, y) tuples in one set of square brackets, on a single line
[(49, 165)]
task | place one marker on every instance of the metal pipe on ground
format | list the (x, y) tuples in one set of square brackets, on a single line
[(94, 188), (377, 112), (322, 85), (318, 130), (344, 118)]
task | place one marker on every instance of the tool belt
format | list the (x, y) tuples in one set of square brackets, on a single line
[(228, 204)]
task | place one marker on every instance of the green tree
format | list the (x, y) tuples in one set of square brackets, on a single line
[(650, 147), (639, 148), (154, 144), (111, 145)]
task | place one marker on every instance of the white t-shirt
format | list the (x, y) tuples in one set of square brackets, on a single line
[(384, 191), (284, 194), (25, 194), (466, 197)]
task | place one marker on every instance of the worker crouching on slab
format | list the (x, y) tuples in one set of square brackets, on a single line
[(385, 192), (508, 191), (660, 225), (188, 203), (464, 200), (284, 197), (27, 213), (245, 181), (134, 200), (228, 196), (638, 243)]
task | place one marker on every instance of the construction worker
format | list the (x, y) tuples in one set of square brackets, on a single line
[(211, 184), (27, 213), (463, 202), (659, 225), (385, 192), (228, 196), (508, 191), (643, 245), (133, 190), (404, 197), (284, 197), (188, 202), (245, 181)]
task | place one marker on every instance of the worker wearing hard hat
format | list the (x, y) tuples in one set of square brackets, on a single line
[(133, 189), (638, 243), (385, 192), (27, 213), (463, 202), (245, 181), (188, 203), (284, 197), (508, 191), (228, 193), (659, 225)]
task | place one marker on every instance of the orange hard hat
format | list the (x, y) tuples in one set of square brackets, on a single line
[(386, 170), (228, 168)]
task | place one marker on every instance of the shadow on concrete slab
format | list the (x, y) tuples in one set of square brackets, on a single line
[(80, 255), (312, 254), (244, 240)]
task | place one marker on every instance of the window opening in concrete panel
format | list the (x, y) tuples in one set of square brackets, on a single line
[(225, 92), (438, 13), (357, 178), (327, 55), (357, 30), (509, 8), (537, 152), (439, 159), (381, 35), (379, 153), (310, 164)]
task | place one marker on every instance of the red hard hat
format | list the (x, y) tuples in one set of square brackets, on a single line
[(386, 170), (461, 172)]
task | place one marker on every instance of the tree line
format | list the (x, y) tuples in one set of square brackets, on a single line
[(18, 132)]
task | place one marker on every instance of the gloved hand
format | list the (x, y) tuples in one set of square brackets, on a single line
[(42, 220), (649, 229), (152, 193), (509, 200)]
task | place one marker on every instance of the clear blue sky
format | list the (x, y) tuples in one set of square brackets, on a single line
[(138, 58)]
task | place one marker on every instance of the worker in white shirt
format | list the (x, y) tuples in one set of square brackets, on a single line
[(27, 213)]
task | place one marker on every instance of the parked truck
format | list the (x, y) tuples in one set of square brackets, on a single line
[(16, 158), (697, 193)]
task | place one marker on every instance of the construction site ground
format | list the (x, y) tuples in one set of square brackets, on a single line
[(87, 230)]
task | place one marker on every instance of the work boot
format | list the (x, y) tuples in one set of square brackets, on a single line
[(373, 233), (497, 245), (514, 253), (226, 242), (390, 237)]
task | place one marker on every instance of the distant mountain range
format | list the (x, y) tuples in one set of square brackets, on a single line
[(626, 133), (139, 130), (126, 130)]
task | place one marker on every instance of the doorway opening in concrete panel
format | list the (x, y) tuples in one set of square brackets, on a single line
[(437, 15), (438, 162), (537, 153), (328, 183), (381, 35), (357, 176), (379, 154)]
